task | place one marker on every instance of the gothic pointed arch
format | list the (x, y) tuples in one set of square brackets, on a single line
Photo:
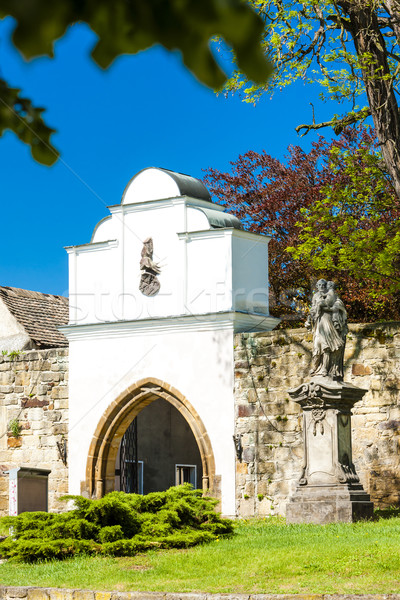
[(100, 466)]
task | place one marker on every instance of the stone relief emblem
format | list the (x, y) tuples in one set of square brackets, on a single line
[(149, 284), (318, 415), (328, 321)]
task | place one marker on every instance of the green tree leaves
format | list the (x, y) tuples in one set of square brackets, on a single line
[(354, 228), (333, 213), (19, 115), (127, 27), (350, 48)]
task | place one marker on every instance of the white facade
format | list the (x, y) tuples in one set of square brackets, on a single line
[(213, 282), (13, 336)]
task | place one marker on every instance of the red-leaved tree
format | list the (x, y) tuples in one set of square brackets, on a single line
[(271, 196)]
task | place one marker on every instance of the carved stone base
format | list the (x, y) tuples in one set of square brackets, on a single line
[(329, 489), (329, 504)]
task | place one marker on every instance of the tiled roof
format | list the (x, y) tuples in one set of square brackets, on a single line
[(39, 314)]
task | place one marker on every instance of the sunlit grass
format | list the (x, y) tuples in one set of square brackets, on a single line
[(262, 557)]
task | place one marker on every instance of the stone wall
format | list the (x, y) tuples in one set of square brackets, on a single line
[(267, 366), (34, 392), (36, 593)]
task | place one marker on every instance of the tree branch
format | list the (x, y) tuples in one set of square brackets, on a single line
[(337, 124)]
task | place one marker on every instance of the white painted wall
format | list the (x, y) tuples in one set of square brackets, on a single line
[(13, 336), (199, 364), (196, 261), (184, 334)]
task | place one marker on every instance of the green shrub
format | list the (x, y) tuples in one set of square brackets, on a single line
[(111, 534), (39, 550), (117, 525), (127, 547)]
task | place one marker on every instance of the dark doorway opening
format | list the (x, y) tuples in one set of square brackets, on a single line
[(157, 451)]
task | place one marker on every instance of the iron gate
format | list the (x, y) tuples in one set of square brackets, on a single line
[(128, 460)]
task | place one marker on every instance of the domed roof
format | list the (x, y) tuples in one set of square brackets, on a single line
[(156, 184)]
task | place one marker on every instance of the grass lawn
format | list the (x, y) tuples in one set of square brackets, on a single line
[(262, 557)]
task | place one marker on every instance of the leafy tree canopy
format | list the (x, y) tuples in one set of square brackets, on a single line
[(350, 48), (332, 212), (354, 225), (126, 27)]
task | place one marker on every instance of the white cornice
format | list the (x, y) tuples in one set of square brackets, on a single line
[(162, 203), (92, 246), (250, 235), (225, 231), (203, 234), (236, 322)]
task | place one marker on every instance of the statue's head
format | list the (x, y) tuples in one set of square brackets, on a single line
[(331, 285), (321, 285), (147, 249)]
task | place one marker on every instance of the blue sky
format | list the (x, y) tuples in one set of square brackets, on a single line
[(145, 110)]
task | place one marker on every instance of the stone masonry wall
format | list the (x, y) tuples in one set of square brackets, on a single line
[(36, 593), (34, 391), (267, 366)]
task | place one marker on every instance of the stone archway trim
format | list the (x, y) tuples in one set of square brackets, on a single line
[(100, 466)]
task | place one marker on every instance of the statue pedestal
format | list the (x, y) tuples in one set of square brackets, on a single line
[(329, 489)]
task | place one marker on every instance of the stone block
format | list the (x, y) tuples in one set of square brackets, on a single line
[(36, 414), (16, 592), (56, 594), (251, 395), (102, 595), (187, 596), (61, 404), (60, 428), (22, 378), (246, 507), (54, 416), (267, 468), (37, 594), (229, 597), (328, 510), (45, 365), (42, 389), (241, 467), (34, 402), (13, 442), (279, 488), (147, 596), (360, 370), (248, 455), (83, 595), (246, 410), (248, 439), (6, 377), (49, 376), (38, 426), (59, 392), (6, 389)]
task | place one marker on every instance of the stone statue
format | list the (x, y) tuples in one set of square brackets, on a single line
[(149, 284), (328, 489), (328, 321)]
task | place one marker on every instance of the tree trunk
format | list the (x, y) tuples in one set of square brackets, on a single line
[(393, 8), (371, 50)]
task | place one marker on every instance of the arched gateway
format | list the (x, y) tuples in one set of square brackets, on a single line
[(157, 296), (100, 469)]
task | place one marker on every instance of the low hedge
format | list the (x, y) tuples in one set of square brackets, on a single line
[(119, 524)]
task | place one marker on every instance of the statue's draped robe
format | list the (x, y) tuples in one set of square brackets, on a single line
[(329, 341)]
